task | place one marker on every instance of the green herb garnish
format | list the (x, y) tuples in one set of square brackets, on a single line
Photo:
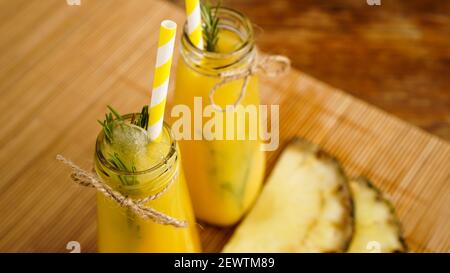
[(143, 118), (108, 126), (118, 164), (210, 25), (108, 123)]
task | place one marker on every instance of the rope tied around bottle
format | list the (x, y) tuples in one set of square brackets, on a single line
[(89, 179), (268, 65)]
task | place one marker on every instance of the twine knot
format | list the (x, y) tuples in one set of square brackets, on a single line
[(90, 179), (268, 65), (127, 202)]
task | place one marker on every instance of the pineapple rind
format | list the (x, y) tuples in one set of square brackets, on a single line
[(377, 228)]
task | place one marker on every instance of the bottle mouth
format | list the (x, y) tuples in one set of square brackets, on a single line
[(230, 20), (161, 166)]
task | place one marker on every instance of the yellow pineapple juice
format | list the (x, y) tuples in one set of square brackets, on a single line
[(153, 166), (224, 176)]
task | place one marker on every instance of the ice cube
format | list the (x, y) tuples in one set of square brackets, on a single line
[(132, 145), (129, 137)]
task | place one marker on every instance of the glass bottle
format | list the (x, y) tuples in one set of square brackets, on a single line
[(119, 229), (224, 176)]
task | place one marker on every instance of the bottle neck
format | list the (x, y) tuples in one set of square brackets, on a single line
[(139, 183), (241, 56)]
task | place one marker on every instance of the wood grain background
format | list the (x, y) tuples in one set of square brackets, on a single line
[(395, 56), (61, 65)]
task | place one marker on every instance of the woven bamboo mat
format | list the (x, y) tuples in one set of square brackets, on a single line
[(62, 64)]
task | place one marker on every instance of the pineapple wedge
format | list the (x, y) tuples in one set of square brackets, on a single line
[(376, 226), (304, 207)]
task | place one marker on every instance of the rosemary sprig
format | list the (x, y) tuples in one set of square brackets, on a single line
[(143, 119), (118, 164), (114, 111), (108, 123), (210, 25)]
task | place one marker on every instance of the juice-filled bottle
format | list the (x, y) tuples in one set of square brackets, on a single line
[(224, 175), (137, 169)]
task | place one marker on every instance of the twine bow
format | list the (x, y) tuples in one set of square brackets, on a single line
[(269, 65), (89, 179)]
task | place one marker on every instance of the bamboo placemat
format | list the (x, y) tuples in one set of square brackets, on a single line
[(62, 64)]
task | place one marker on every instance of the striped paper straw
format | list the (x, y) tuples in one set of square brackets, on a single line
[(194, 22), (164, 54)]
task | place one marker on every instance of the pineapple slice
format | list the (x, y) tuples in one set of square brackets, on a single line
[(376, 226), (304, 207)]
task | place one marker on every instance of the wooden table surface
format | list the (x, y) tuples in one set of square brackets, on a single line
[(61, 65), (395, 56)]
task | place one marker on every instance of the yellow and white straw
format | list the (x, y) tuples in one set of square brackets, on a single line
[(164, 55), (194, 22)]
